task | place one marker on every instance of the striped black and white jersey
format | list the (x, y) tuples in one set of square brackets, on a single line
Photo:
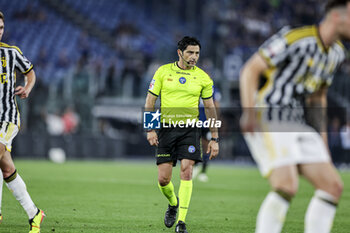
[(299, 65), (11, 59)]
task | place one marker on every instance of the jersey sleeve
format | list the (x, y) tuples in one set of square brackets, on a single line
[(275, 49), (155, 85), (22, 63), (207, 89), (342, 54)]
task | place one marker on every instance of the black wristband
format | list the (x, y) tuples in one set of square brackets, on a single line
[(215, 139)]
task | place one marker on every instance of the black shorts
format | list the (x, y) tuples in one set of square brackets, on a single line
[(177, 144)]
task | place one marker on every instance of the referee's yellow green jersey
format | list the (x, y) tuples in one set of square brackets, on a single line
[(180, 91)]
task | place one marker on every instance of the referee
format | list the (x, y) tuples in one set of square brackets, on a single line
[(180, 84)]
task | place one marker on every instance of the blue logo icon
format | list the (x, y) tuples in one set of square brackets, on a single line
[(182, 80), (151, 120), (191, 149)]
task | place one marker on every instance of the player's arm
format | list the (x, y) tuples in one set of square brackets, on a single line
[(152, 136), (249, 81), (316, 105), (23, 92), (210, 112)]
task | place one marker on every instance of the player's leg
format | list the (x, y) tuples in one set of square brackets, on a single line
[(2, 153), (199, 169), (189, 151), (164, 182), (167, 189), (185, 193), (205, 165), (203, 174), (276, 158), (16, 185), (165, 162), (272, 213), (18, 188), (185, 190), (1, 184), (328, 185)]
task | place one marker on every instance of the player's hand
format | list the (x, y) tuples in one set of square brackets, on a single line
[(152, 138), (213, 149), (248, 121), (22, 92)]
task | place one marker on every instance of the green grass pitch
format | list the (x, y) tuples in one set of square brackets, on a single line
[(123, 197)]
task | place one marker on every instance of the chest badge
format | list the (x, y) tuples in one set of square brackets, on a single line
[(182, 80), (3, 61)]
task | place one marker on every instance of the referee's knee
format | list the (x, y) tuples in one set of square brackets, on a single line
[(186, 174), (163, 181)]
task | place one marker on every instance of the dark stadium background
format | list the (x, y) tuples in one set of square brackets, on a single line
[(94, 60)]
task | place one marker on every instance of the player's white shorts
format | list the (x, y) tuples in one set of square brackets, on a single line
[(275, 149), (8, 132)]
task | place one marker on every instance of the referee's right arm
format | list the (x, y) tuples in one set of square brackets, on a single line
[(152, 136), (150, 102)]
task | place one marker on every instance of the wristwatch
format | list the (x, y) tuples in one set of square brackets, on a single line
[(215, 139)]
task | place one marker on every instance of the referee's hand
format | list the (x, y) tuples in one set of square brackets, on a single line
[(213, 149), (152, 138)]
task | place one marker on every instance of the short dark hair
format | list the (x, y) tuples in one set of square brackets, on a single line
[(186, 41), (331, 4), (2, 16)]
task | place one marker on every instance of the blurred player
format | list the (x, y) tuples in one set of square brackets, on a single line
[(298, 66), (12, 59), (201, 171), (1, 184), (181, 84)]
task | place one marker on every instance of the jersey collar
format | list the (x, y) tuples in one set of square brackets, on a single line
[(177, 67)]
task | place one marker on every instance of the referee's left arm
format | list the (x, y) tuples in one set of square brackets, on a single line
[(210, 112)]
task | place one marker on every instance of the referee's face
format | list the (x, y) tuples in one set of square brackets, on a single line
[(190, 55), (1, 28)]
